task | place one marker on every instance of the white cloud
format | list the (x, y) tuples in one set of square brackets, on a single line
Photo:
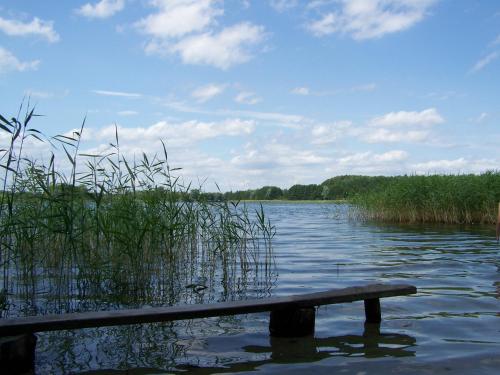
[(459, 165), (188, 28), (128, 113), (39, 94), (275, 155), (368, 19), (176, 18), (101, 9), (369, 158), (117, 93), (175, 134), (305, 91), (247, 97), (290, 120), (9, 62), (205, 93), (426, 117), (483, 116), (328, 133), (484, 61), (277, 118), (224, 49), (391, 136), (283, 5), (301, 91), (37, 27)]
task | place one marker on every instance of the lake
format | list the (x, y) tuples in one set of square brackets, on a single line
[(452, 324)]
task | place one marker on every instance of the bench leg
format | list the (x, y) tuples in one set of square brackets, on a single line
[(292, 322), (372, 310), (17, 354)]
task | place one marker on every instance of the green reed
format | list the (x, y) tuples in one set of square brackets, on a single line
[(458, 199), (112, 232)]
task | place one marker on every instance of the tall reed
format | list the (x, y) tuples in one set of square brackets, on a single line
[(110, 232), (458, 199)]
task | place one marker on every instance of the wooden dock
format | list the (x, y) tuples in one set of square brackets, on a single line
[(290, 316)]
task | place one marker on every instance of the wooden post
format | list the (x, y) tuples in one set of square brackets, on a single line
[(292, 322), (498, 222), (372, 311), (17, 354), (371, 330)]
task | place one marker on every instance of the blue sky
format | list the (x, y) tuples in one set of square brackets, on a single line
[(270, 92)]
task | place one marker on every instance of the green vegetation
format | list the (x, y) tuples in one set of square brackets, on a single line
[(459, 199), (109, 232), (432, 198), (337, 188)]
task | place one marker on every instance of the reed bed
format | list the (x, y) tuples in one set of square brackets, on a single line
[(109, 232), (453, 199)]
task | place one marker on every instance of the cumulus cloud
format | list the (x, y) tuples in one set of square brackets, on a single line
[(426, 117), (328, 133), (459, 165), (370, 163), (188, 28), (175, 134), (9, 62), (224, 49), (283, 5), (37, 27), (175, 18), (275, 155), (101, 9), (368, 19), (369, 158), (205, 93), (247, 97), (482, 63)]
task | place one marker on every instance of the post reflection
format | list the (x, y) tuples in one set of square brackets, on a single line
[(372, 344)]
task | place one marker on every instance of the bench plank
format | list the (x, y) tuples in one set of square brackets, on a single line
[(9, 327)]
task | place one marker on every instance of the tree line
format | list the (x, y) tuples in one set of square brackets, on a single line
[(336, 188)]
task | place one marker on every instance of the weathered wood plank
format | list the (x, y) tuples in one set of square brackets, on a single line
[(9, 327)]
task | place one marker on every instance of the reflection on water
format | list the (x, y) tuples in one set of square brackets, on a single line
[(372, 344), (289, 351), (451, 324)]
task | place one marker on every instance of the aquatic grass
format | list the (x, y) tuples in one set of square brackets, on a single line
[(453, 199), (113, 232)]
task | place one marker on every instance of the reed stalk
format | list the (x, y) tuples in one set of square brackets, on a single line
[(114, 232)]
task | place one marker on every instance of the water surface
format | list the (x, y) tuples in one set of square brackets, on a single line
[(452, 324)]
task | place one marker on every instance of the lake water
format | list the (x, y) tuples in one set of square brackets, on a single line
[(451, 325)]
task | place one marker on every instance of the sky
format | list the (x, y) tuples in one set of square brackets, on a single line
[(248, 93)]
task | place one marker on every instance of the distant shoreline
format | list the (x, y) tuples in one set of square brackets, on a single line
[(318, 201)]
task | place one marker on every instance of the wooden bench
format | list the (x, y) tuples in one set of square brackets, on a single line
[(290, 316)]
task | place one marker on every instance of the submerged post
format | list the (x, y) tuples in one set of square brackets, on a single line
[(372, 310), (292, 322), (17, 354)]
